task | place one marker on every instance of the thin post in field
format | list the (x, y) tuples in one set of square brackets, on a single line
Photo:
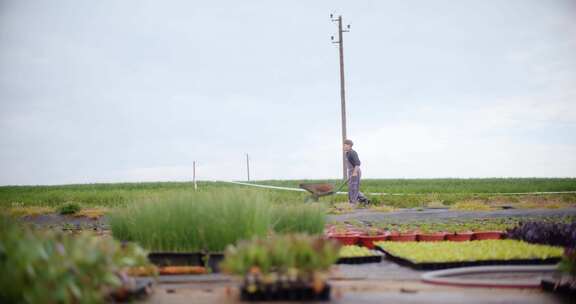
[(248, 167)]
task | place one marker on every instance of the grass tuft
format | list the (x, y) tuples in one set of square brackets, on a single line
[(209, 221), (69, 208)]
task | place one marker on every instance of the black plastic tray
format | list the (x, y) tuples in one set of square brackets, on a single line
[(438, 266), (213, 260), (360, 260), (208, 260), (176, 258), (278, 293), (549, 284)]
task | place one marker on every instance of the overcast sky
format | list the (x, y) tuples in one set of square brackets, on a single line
[(134, 90)]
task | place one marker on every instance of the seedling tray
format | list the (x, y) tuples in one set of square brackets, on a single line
[(278, 292), (438, 266)]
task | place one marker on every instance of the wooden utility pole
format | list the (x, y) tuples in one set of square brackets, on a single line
[(340, 43), (194, 175), (248, 166)]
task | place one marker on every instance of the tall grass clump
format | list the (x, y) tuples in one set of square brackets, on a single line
[(197, 222), (299, 218), (209, 221)]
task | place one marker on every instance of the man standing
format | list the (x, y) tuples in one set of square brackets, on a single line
[(354, 174)]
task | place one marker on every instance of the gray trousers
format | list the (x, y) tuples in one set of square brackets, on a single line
[(354, 193)]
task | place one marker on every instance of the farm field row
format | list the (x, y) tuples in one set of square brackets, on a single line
[(117, 194), (450, 185)]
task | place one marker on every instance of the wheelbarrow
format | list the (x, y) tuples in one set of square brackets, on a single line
[(318, 190)]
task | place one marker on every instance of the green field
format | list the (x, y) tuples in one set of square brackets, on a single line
[(118, 194), (452, 185), (417, 192)]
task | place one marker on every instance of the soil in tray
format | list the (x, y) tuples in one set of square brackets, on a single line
[(278, 292), (437, 266)]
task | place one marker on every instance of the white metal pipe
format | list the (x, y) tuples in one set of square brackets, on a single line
[(447, 276)]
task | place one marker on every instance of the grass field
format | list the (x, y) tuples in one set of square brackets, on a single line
[(452, 185), (115, 195), (419, 192)]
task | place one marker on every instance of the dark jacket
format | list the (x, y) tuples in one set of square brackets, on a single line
[(352, 157)]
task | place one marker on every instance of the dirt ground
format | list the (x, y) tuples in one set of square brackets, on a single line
[(402, 215)]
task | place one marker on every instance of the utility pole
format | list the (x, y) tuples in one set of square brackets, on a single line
[(248, 166), (340, 43)]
